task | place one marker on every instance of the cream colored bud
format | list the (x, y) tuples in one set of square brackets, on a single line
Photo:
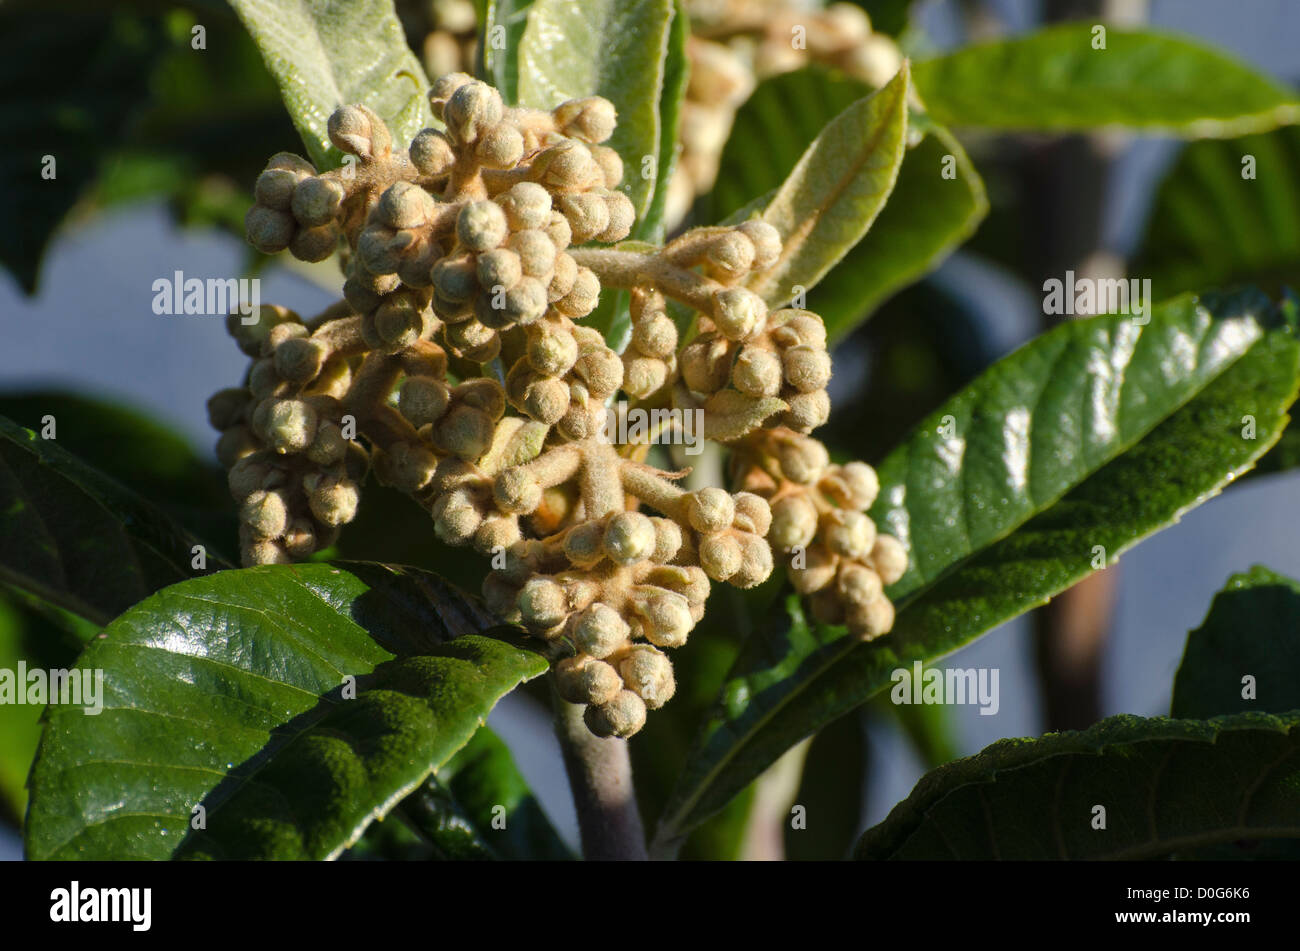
[(621, 717), (853, 485), (848, 533), (587, 214), (668, 540), (300, 538), (755, 562), (274, 188), (517, 490), (536, 251), (316, 201), (269, 230), (889, 558), (358, 131), (500, 147), (629, 538), (290, 426), (456, 277), (546, 400), (527, 206), (584, 545), (568, 167), (455, 517), (552, 351), (542, 604), (710, 509), (602, 371), (564, 277), (600, 631), (870, 620), (667, 617), (471, 110), (423, 399), (766, 241), (432, 154), (720, 556), (704, 364), (485, 394), (757, 372), (643, 376), (792, 328), (443, 87), (655, 336), (858, 584), (499, 268), (586, 680), (333, 500), (648, 674), (611, 164), (227, 407), (794, 522), (803, 460), (329, 446), (807, 411), (247, 475), (558, 230), (817, 572), (264, 551), (404, 205), (265, 513), (300, 359), (401, 320), (314, 244), (496, 533), (739, 313), (732, 253), (806, 369), (753, 514), (622, 216), (465, 432), (481, 225), (592, 120), (584, 296)]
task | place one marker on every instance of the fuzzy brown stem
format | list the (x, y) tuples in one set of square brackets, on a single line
[(600, 775)]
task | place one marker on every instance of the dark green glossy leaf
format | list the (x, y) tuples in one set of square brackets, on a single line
[(230, 692), (93, 71), (612, 48), (1253, 629), (28, 635), (150, 458), (831, 793), (1211, 227), (326, 55), (478, 806), (76, 538), (1054, 80), (1166, 785), (1060, 457), (835, 191)]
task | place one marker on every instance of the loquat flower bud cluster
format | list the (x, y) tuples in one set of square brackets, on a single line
[(464, 247)]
